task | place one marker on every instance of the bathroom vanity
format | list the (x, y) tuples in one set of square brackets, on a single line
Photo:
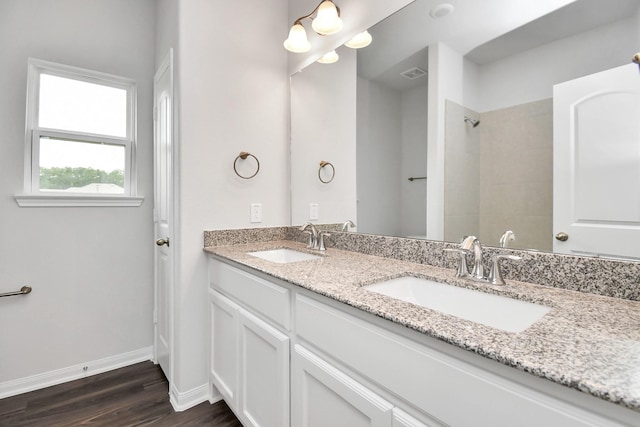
[(304, 343)]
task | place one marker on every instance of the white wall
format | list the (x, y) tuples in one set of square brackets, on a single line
[(445, 83), (90, 268), (391, 147), (471, 85), (233, 97), (530, 75), (414, 162), (379, 159), (323, 127)]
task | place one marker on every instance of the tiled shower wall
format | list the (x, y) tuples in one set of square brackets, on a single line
[(516, 175), (462, 174), (499, 175)]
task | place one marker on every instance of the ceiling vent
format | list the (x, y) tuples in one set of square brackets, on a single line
[(414, 73)]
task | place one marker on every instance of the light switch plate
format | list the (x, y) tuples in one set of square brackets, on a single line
[(256, 212), (313, 212)]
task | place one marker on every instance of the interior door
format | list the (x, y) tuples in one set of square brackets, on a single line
[(596, 138), (163, 213)]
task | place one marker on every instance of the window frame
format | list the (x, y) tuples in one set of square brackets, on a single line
[(33, 195)]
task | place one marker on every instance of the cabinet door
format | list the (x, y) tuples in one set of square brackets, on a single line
[(224, 346), (264, 373), (323, 396), (402, 419)]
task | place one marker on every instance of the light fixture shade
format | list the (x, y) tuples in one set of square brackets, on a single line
[(329, 58), (297, 41), (327, 20), (360, 40)]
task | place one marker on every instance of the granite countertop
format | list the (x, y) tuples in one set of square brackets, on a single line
[(587, 342)]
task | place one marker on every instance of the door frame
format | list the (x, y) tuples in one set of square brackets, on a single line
[(167, 65)]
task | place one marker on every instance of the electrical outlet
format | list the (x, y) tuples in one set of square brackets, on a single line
[(313, 212), (256, 212)]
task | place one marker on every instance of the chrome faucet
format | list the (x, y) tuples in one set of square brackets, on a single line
[(507, 237), (312, 243), (316, 238), (477, 273), (347, 225), (472, 242)]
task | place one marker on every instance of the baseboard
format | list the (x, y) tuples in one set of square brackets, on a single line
[(214, 394), (59, 376), (188, 399)]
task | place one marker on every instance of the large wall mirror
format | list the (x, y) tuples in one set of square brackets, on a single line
[(444, 126)]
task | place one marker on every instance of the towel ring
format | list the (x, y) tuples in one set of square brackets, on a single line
[(333, 172), (243, 155)]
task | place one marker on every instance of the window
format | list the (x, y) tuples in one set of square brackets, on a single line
[(80, 138)]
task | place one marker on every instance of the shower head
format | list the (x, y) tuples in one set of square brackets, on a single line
[(473, 122)]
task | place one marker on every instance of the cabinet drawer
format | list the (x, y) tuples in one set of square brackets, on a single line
[(263, 297), (436, 383)]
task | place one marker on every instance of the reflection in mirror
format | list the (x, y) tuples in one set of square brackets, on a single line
[(392, 148), (484, 178), (323, 128)]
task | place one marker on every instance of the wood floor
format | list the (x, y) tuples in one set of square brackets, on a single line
[(136, 395)]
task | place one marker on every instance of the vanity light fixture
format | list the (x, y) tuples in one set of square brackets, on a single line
[(327, 21), (329, 58), (360, 40), (297, 41)]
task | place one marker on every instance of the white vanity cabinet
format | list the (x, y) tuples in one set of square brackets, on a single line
[(249, 355), (441, 386), (322, 395), (223, 348), (282, 355)]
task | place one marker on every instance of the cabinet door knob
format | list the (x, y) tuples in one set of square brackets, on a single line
[(562, 236), (161, 242)]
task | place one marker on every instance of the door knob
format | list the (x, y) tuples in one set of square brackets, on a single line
[(562, 236), (161, 242)]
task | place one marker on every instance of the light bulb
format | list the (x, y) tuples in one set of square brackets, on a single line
[(329, 58), (360, 40), (297, 41), (327, 20)]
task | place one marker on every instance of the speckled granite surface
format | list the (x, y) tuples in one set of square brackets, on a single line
[(619, 279), (587, 342)]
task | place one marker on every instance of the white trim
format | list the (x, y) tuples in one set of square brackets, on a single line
[(39, 133), (63, 375), (188, 399), (167, 66), (38, 67), (75, 200), (214, 394), (83, 74)]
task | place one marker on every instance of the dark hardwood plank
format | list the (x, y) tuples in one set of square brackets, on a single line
[(136, 395)]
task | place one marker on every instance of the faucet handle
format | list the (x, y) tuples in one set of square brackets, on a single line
[(463, 268), (321, 236), (495, 274)]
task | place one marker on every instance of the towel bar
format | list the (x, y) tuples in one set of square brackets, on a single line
[(23, 291)]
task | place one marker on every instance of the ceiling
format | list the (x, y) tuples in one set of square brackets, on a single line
[(484, 31)]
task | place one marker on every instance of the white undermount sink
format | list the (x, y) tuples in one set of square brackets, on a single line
[(499, 312), (283, 255)]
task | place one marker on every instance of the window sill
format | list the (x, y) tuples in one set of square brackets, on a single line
[(67, 200)]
